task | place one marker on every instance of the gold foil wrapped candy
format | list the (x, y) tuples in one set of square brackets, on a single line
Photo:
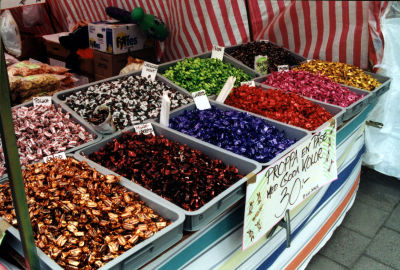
[(341, 73)]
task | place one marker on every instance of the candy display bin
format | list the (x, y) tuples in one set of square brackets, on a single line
[(230, 49), (198, 219), (139, 254), (299, 134), (227, 59), (349, 111), (75, 118), (61, 96)]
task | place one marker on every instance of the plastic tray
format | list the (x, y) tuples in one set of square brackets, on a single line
[(227, 59), (349, 112), (61, 96), (75, 118), (336, 111), (383, 88), (299, 134), (139, 254), (196, 220), (229, 49), (377, 92)]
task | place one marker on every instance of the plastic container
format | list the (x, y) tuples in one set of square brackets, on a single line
[(140, 253), (348, 112), (227, 59), (76, 119), (61, 96), (299, 134), (195, 220), (336, 111), (229, 49), (383, 88)]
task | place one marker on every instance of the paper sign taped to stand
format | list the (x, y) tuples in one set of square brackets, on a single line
[(42, 101), (49, 158), (289, 181), (149, 71), (144, 129), (226, 89), (218, 52), (201, 100), (165, 109)]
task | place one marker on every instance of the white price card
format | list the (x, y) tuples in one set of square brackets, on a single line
[(217, 52), (60, 155), (144, 129), (201, 100), (226, 90), (165, 109), (149, 70), (42, 101), (283, 68), (249, 83)]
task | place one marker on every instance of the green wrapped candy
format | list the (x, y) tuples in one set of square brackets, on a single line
[(195, 74)]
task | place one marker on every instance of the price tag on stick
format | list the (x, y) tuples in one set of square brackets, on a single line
[(201, 100), (165, 109), (218, 52), (49, 158), (283, 68), (144, 128), (230, 82), (149, 70), (42, 101), (249, 83)]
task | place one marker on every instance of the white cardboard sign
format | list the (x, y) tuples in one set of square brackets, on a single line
[(42, 101), (201, 100), (149, 70), (289, 181), (144, 128), (218, 52), (49, 158)]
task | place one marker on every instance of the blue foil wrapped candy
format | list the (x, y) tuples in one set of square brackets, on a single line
[(235, 131)]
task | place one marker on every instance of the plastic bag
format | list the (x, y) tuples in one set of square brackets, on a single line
[(382, 144), (32, 15), (10, 34)]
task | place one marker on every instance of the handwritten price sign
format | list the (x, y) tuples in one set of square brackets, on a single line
[(289, 181)]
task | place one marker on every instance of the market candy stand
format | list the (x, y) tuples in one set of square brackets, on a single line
[(255, 161)]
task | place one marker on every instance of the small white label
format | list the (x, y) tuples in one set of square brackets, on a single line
[(149, 70), (230, 82), (283, 68), (42, 101), (217, 52), (60, 155), (144, 129), (165, 109), (308, 60), (249, 83), (201, 100), (265, 40)]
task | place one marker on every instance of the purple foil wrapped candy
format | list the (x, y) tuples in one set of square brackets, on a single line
[(234, 131)]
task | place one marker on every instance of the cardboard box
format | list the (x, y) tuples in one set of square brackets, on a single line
[(115, 38), (86, 66), (108, 65), (53, 47)]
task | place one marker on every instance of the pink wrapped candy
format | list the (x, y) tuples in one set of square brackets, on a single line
[(43, 131), (313, 86)]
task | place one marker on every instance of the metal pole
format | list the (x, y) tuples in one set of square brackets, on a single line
[(251, 36), (14, 170)]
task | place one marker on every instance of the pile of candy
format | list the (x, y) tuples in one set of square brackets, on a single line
[(235, 131), (276, 104)]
